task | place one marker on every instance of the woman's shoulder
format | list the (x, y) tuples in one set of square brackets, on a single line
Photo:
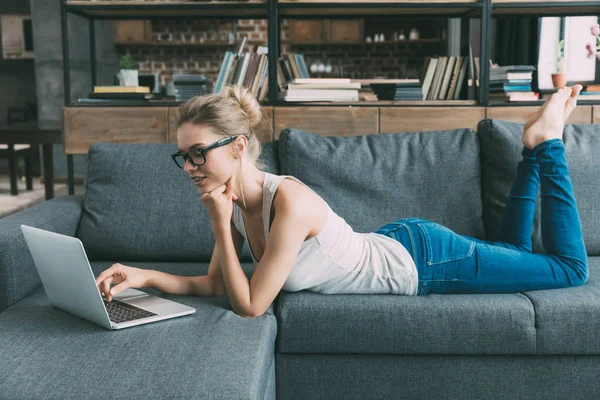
[(303, 202)]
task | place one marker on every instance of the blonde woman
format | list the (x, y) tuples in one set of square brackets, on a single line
[(297, 242)]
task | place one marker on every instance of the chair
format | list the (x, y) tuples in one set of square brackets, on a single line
[(14, 151)]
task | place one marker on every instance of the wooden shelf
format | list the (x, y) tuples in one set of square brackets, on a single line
[(363, 43), (322, 8), (136, 9), (175, 44), (382, 103)]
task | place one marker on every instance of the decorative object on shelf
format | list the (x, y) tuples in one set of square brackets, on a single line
[(186, 86), (559, 79), (368, 39), (128, 75), (401, 36), (413, 34), (593, 49)]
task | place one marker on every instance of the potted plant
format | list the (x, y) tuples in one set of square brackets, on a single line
[(559, 79), (128, 75)]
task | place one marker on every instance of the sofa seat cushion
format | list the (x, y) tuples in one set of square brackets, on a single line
[(138, 205), (213, 353), (392, 324), (371, 180), (501, 146), (568, 320)]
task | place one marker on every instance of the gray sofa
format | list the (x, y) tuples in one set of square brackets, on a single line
[(140, 210)]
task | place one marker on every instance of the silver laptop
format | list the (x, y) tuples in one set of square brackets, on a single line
[(71, 286)]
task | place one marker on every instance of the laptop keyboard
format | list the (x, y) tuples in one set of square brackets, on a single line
[(122, 312)]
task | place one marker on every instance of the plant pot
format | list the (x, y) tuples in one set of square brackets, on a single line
[(128, 77), (559, 80)]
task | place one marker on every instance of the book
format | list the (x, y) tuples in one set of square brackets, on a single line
[(461, 78), (447, 75), (218, 82), (121, 89), (321, 80), (428, 77), (440, 70), (121, 96), (302, 86), (515, 96), (454, 79)]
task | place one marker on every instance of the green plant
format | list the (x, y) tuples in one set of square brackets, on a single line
[(560, 56), (128, 63)]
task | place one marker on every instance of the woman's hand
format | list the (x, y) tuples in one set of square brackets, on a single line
[(125, 277), (219, 202)]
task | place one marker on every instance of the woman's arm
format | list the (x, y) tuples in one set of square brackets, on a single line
[(186, 285), (204, 285), (288, 231)]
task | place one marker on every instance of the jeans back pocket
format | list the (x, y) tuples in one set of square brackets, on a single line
[(444, 245)]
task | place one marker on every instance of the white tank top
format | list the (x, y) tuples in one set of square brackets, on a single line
[(339, 260)]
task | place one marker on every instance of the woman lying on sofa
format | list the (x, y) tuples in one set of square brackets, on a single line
[(297, 242)]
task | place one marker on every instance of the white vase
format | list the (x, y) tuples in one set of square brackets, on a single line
[(128, 77)]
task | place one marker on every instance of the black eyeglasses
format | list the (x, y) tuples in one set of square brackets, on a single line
[(197, 156)]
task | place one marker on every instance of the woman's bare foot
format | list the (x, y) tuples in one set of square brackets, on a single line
[(572, 101), (549, 121)]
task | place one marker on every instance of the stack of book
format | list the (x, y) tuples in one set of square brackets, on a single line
[(403, 89), (590, 92), (244, 69), (512, 83), (116, 93), (445, 77), (189, 85), (291, 66), (320, 89)]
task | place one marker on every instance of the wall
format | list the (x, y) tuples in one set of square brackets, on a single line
[(357, 61), (17, 77), (49, 67)]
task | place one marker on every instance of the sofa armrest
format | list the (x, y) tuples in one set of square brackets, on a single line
[(18, 275)]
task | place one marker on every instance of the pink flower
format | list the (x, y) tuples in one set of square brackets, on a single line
[(595, 29), (590, 49)]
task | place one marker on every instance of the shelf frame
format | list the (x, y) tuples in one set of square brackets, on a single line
[(545, 9), (183, 10)]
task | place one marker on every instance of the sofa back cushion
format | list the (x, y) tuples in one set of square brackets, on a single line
[(501, 146), (138, 205), (374, 179)]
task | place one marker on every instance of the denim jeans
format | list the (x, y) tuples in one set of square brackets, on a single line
[(448, 262)]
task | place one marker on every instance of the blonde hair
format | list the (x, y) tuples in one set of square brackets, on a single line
[(231, 112)]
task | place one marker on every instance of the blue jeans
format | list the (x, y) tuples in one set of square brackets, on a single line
[(448, 262)]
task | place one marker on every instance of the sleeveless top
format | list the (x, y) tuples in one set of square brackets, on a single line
[(339, 260)]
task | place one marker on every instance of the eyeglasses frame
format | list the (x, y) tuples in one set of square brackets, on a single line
[(218, 143)]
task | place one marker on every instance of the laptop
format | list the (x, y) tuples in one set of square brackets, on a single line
[(70, 285)]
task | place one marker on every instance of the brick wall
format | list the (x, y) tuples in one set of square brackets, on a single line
[(357, 61)]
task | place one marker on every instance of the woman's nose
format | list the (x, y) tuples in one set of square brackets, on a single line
[(188, 166)]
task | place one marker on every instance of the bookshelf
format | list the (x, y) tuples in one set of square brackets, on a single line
[(85, 123), (274, 11)]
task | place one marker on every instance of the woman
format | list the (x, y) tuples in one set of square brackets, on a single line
[(297, 242)]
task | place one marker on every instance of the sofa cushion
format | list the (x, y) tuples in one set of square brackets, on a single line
[(138, 205), (371, 180), (391, 324), (501, 148), (213, 353), (568, 320), (557, 321)]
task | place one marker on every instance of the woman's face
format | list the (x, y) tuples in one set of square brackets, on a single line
[(219, 165)]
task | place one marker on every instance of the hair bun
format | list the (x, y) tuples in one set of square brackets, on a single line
[(247, 102)]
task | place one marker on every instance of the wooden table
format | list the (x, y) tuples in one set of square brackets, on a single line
[(45, 134)]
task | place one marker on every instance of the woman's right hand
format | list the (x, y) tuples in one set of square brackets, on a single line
[(124, 277)]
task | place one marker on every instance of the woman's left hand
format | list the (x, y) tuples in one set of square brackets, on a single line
[(219, 202)]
